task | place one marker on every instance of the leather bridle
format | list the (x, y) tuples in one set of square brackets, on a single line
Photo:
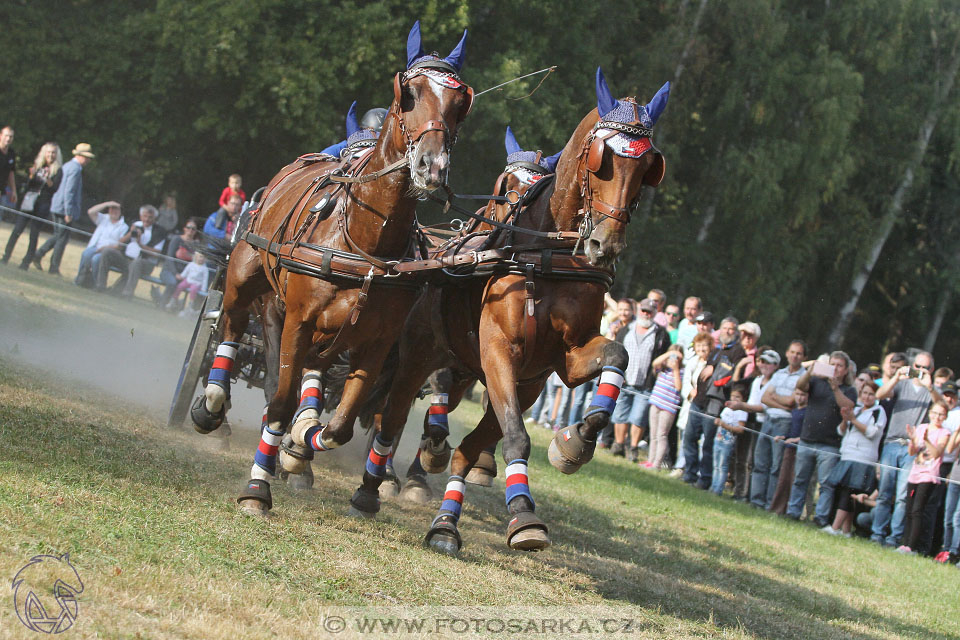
[(590, 159), (442, 74)]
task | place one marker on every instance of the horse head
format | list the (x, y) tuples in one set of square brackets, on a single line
[(430, 102), (616, 158)]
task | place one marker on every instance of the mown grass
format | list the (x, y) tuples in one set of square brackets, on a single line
[(148, 517)]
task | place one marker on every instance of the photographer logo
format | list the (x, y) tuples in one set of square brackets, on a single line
[(45, 593)]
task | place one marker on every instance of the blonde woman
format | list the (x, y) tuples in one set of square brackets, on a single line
[(44, 179)]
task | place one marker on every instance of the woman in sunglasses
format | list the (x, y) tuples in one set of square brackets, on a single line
[(179, 252)]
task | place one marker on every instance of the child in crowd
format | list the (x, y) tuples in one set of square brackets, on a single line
[(233, 188), (194, 279), (785, 480), (731, 423), (927, 443)]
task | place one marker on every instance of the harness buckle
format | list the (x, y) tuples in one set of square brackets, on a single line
[(390, 265)]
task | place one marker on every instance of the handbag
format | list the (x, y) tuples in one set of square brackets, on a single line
[(29, 201)]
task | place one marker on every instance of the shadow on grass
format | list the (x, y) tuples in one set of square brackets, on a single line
[(624, 567), (697, 590)]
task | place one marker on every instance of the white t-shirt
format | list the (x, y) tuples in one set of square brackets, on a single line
[(757, 388), (729, 416), (107, 232), (133, 249), (196, 274)]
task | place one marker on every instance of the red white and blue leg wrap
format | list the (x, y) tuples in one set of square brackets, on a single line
[(437, 413), (263, 419), (265, 459), (452, 503), (605, 398), (220, 372), (311, 394), (313, 437), (517, 482), (378, 458)]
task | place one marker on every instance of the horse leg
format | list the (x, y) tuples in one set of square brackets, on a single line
[(574, 445), (444, 536), (245, 282), (366, 362), (256, 499)]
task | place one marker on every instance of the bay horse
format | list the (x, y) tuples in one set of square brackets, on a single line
[(541, 313), (324, 243)]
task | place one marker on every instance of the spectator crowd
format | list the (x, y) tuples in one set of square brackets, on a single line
[(153, 247), (868, 450)]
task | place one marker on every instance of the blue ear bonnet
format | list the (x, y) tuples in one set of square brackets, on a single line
[(516, 154), (354, 132), (415, 52), (612, 110)]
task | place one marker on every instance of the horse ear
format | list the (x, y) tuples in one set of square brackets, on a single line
[(605, 100), (510, 142), (414, 44), (658, 103), (352, 125), (456, 56)]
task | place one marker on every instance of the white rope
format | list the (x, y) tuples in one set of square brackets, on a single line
[(503, 84)]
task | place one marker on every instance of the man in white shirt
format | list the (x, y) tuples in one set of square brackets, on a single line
[(779, 402), (144, 245), (110, 229)]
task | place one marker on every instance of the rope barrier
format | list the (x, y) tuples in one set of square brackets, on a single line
[(798, 445), (52, 223)]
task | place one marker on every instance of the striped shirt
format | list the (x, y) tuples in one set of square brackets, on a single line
[(665, 396)]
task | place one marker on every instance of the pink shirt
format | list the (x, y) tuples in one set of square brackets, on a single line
[(925, 467)]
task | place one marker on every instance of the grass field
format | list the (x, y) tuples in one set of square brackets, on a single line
[(147, 515)]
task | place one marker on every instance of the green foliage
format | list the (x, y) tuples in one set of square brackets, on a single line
[(786, 134)]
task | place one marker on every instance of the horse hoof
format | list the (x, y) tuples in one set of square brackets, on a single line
[(353, 512), (253, 507), (416, 490), (301, 481), (299, 430), (364, 504), (434, 458), (527, 532), (447, 545), (203, 421), (389, 488), (569, 451), (294, 458), (444, 536), (530, 540), (479, 477)]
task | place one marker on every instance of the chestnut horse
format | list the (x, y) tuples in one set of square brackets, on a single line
[(373, 224), (530, 326)]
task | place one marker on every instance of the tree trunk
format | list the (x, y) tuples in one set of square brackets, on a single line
[(938, 316), (893, 209), (646, 201)]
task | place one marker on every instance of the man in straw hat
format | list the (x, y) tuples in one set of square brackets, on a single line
[(65, 207)]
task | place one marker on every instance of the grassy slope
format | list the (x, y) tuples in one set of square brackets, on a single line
[(147, 515), (149, 521)]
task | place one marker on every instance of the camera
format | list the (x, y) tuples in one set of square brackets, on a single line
[(914, 372)]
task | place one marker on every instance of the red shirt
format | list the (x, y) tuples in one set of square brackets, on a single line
[(227, 192)]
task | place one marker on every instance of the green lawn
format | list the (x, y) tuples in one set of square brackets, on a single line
[(148, 517)]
